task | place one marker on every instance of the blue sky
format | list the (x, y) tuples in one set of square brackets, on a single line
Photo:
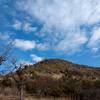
[(62, 29)]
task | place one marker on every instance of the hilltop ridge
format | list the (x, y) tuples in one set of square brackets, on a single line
[(59, 66)]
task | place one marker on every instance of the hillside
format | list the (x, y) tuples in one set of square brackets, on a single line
[(59, 66), (57, 78)]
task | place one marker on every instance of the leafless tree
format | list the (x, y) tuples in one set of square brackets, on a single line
[(12, 69), (17, 74), (5, 54)]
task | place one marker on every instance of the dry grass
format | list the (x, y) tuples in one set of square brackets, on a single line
[(30, 98), (47, 99), (11, 94)]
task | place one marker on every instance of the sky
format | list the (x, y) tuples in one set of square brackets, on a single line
[(52, 29)]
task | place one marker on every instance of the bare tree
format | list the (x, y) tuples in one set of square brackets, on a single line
[(17, 74), (5, 53), (11, 69)]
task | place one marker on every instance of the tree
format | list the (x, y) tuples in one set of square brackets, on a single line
[(17, 74), (11, 69), (5, 55)]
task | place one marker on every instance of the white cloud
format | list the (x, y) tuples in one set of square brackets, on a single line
[(62, 20), (94, 41), (24, 44), (42, 46), (26, 62), (36, 58), (17, 25), (70, 12), (94, 50), (25, 26), (29, 45), (72, 43), (28, 28)]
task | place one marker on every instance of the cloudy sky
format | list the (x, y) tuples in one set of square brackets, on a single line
[(63, 29)]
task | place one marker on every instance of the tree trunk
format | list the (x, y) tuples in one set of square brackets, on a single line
[(20, 89), (20, 94)]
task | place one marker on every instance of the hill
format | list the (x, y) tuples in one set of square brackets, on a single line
[(57, 78), (56, 66)]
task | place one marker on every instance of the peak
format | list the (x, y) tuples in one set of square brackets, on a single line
[(55, 61)]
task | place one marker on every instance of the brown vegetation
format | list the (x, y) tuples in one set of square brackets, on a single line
[(56, 78)]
